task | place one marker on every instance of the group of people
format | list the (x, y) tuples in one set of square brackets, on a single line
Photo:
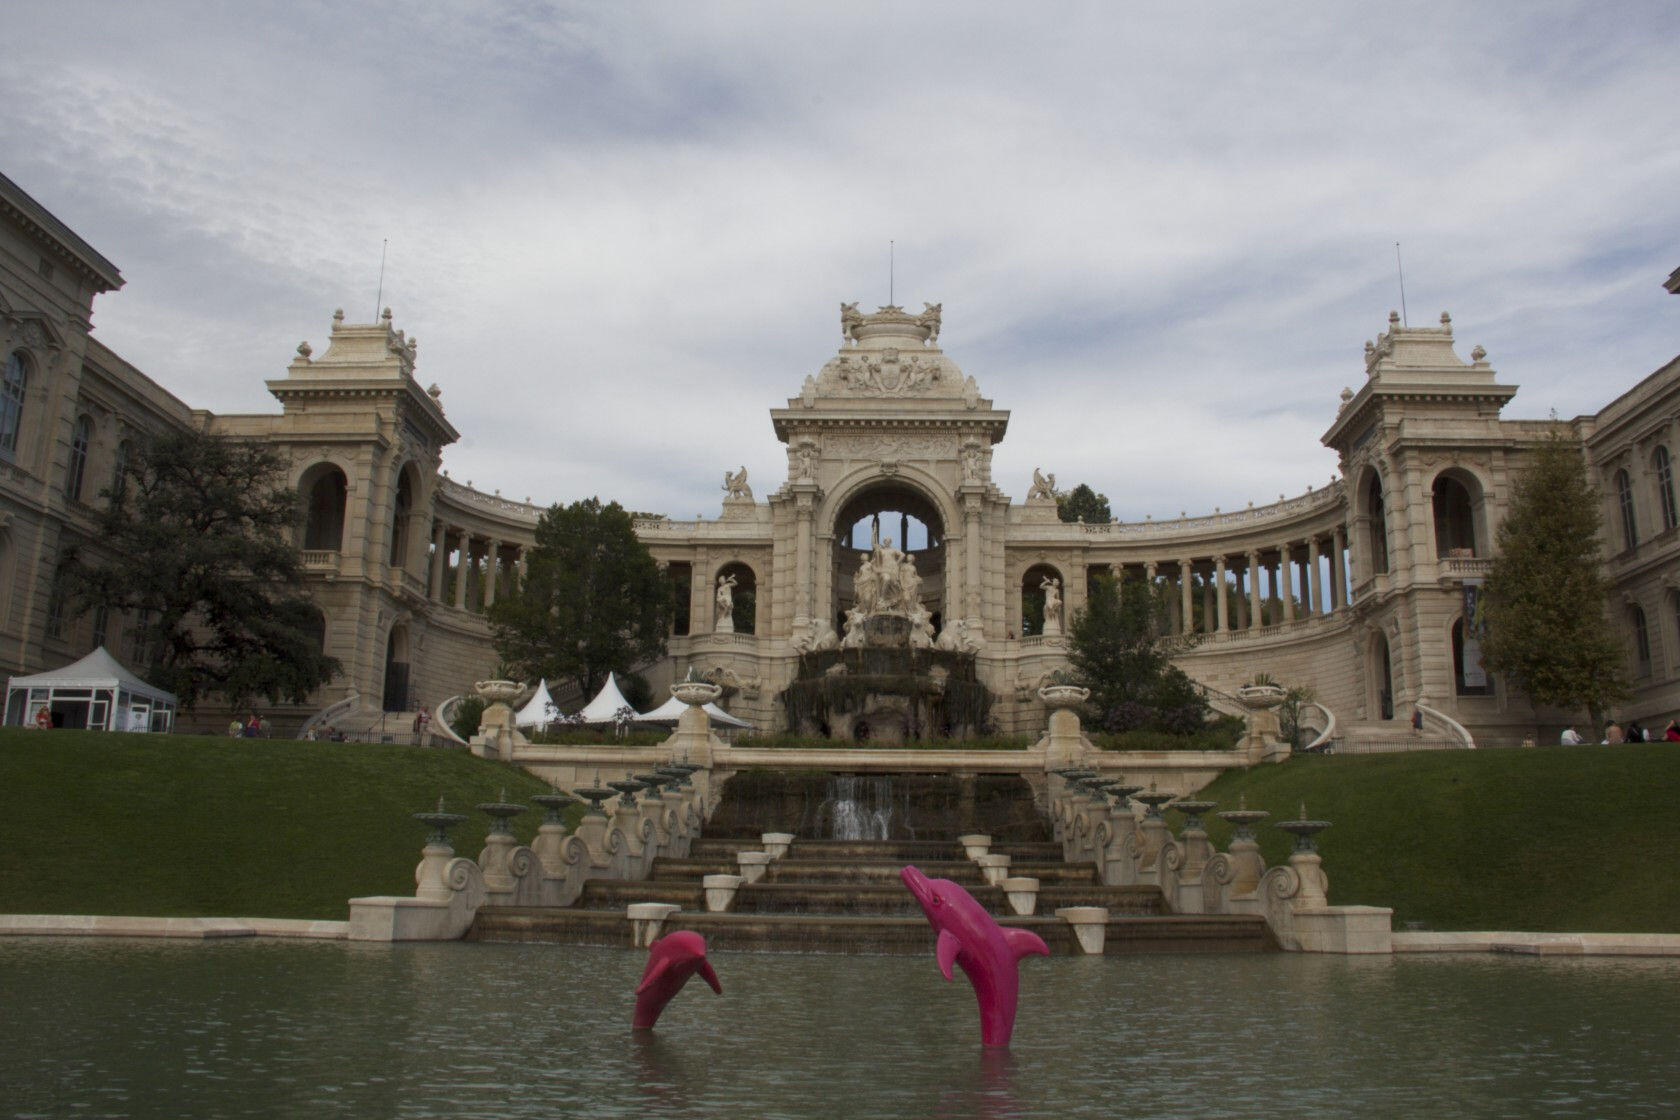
[(249, 728), (1632, 733)]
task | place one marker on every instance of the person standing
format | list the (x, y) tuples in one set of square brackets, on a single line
[(422, 724)]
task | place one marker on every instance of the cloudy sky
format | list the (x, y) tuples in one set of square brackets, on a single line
[(621, 232)]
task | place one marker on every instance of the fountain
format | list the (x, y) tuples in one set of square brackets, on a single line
[(552, 804), (596, 795), (888, 680)]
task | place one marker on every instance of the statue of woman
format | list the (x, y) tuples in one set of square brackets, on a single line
[(910, 583), (866, 587), (1052, 597), (726, 595)]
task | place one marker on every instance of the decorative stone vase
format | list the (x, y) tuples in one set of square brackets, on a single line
[(696, 693), (498, 692), (1060, 697), (1261, 697)]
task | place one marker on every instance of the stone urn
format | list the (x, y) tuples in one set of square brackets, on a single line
[(1261, 697), (496, 736), (1262, 738), (1060, 697), (696, 693)]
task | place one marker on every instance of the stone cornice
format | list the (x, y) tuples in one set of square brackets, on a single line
[(59, 238), (423, 406), (1313, 503), (789, 421)]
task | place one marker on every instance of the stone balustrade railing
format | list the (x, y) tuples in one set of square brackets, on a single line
[(1129, 849)]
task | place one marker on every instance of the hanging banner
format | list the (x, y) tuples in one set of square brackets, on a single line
[(1474, 675)]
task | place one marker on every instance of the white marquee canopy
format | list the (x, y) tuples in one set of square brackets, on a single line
[(95, 693)]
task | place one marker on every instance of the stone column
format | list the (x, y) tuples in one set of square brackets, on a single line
[(492, 565), (462, 566), (1187, 614), (802, 563), (440, 560), (1338, 569), (1255, 619), (1286, 582), (971, 556), (1207, 604), (1219, 594), (1311, 584)]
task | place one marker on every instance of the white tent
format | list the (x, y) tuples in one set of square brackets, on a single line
[(604, 708), (672, 709), (538, 711), (95, 693)]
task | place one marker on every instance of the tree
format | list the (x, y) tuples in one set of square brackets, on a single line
[(197, 541), (1542, 607), (592, 601), (1083, 504), (1119, 650)]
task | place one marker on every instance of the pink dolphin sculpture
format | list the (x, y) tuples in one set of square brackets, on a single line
[(671, 961), (971, 937)]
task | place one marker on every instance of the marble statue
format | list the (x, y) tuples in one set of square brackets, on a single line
[(735, 484), (866, 585), (1052, 606), (910, 583), (930, 320), (921, 628), (971, 463), (1043, 488), (725, 604), (855, 619), (850, 320)]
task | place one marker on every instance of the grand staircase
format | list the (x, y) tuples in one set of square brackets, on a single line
[(845, 896)]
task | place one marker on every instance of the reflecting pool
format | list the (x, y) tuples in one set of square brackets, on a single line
[(266, 1028)]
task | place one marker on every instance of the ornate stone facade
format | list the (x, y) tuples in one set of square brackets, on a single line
[(1358, 588)]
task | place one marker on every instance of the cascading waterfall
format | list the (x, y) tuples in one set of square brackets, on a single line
[(859, 807)]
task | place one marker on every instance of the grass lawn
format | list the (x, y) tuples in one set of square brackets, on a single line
[(176, 825), (1550, 839)]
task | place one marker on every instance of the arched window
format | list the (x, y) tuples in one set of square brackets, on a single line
[(119, 469), (1032, 598), (743, 597), (323, 528), (1665, 487), (81, 436), (11, 401), (1469, 678), (1455, 517), (399, 517), (1624, 498), (1379, 524), (1641, 640)]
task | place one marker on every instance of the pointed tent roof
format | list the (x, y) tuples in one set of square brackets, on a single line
[(536, 711), (672, 709), (608, 701), (97, 670)]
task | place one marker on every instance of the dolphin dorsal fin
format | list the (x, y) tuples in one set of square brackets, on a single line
[(653, 975), (947, 951), (1025, 943)]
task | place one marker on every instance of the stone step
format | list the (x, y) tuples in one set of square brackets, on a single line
[(881, 934)]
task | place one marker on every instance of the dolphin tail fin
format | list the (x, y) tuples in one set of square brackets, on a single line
[(1025, 943), (652, 976), (947, 951)]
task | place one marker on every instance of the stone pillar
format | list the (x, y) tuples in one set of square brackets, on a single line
[(802, 564), (1338, 569), (1207, 604), (1286, 581), (1311, 585), (1255, 619), (971, 556), (492, 567), (1186, 611), (1219, 594), (462, 566), (440, 560)]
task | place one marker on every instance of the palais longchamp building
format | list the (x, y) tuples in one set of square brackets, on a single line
[(1359, 589)]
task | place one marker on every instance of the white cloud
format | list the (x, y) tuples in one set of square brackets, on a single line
[(1160, 234)]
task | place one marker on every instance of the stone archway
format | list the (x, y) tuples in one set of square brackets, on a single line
[(902, 513), (396, 686)]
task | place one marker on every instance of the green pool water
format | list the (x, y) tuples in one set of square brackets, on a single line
[(266, 1028)]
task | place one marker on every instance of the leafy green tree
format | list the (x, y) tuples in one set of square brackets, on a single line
[(197, 541), (1543, 606), (1120, 650), (592, 601), (1083, 504)]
